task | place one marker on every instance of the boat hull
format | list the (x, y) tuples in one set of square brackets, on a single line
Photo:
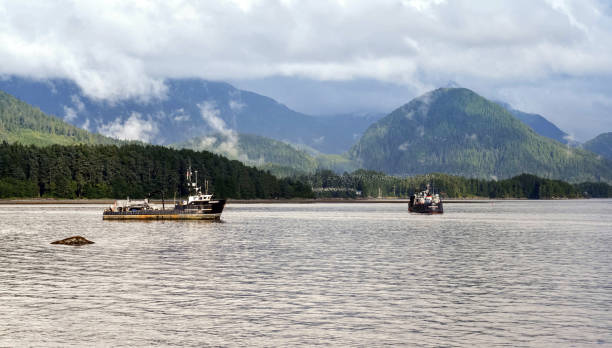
[(426, 209), (210, 211), (169, 216)]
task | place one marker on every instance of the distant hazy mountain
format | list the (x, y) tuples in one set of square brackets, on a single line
[(456, 131), (601, 145), (539, 124), (281, 158), (23, 123), (254, 150), (191, 107)]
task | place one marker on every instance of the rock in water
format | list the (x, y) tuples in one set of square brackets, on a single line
[(76, 240)]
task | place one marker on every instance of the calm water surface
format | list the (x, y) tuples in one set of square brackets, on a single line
[(494, 274)]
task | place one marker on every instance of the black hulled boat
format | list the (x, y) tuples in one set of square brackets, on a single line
[(426, 202), (198, 206)]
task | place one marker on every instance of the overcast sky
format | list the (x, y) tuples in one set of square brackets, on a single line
[(552, 57)]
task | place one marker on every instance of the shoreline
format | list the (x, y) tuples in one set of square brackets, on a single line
[(477, 200)]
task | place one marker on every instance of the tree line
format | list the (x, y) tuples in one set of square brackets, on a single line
[(137, 170), (366, 183), (134, 170)]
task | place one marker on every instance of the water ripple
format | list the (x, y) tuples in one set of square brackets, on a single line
[(502, 274)]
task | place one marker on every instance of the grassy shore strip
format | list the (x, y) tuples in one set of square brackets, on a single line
[(235, 201)]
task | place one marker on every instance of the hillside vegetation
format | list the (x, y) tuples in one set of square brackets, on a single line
[(456, 131), (280, 158), (601, 145), (254, 150), (20, 122)]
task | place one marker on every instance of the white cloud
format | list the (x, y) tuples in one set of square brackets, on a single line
[(229, 138), (69, 113), (122, 49), (134, 128), (85, 125), (78, 104), (421, 131), (423, 5), (236, 106), (207, 142), (179, 115)]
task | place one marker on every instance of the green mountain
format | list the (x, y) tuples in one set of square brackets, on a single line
[(23, 123), (456, 131), (601, 145)]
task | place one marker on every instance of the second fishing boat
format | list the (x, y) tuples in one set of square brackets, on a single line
[(426, 202)]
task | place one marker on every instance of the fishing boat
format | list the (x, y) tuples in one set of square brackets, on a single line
[(198, 206), (426, 202)]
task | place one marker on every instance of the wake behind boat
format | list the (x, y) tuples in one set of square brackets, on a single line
[(198, 206)]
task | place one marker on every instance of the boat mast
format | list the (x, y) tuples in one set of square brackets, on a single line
[(189, 183)]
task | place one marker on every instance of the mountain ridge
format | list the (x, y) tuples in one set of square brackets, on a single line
[(23, 123), (601, 145), (192, 107), (539, 124), (280, 158), (456, 131)]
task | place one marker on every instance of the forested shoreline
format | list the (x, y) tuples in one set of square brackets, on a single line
[(134, 170), (365, 183), (137, 170)]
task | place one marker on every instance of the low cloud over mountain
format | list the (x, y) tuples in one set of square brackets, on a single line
[(548, 56)]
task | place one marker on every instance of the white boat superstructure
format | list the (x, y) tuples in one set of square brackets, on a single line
[(199, 196), (427, 202), (198, 206)]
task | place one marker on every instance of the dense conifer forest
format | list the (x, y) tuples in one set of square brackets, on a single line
[(109, 171), (364, 183)]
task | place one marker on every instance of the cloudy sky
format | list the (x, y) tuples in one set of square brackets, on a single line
[(552, 57)]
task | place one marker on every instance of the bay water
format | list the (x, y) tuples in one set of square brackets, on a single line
[(503, 273)]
